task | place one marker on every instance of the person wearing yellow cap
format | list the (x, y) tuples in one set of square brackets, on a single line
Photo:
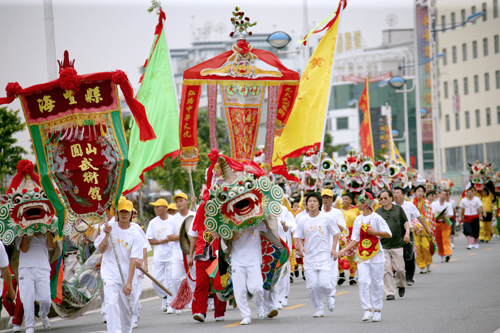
[(173, 231), (128, 246), (162, 258), (172, 209), (336, 214)]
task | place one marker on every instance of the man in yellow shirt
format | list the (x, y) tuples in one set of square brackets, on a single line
[(350, 213), (485, 225)]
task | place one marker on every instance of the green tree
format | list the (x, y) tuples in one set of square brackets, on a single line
[(173, 176), (10, 154)]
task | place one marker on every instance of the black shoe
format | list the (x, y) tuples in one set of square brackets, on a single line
[(401, 291), (352, 281), (486, 242), (291, 279), (447, 258), (390, 298), (296, 271), (341, 279), (481, 241)]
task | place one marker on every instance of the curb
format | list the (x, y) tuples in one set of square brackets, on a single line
[(146, 293)]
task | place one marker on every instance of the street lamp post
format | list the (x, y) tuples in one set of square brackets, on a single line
[(435, 102)]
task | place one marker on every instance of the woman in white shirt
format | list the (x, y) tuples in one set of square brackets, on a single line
[(471, 211)]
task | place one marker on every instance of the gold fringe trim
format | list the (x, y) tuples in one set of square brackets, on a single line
[(229, 82)]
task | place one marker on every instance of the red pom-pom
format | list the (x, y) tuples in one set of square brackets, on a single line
[(69, 80), (240, 182), (225, 189), (36, 189), (25, 167), (25, 190), (13, 88), (119, 77)]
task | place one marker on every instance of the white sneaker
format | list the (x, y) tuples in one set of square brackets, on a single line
[(220, 318), (135, 324), (319, 314), (246, 321), (429, 268), (442, 258), (452, 246), (476, 246), (368, 315), (46, 323), (164, 305), (30, 330), (470, 247), (331, 303), (284, 302), (10, 322), (199, 317), (16, 328), (261, 314), (280, 306), (178, 312), (170, 310), (104, 318), (377, 316)]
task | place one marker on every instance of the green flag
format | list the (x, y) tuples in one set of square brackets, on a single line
[(157, 94)]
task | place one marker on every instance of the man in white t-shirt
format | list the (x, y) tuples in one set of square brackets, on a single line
[(173, 232), (246, 259), (442, 212), (370, 261), (319, 249), (129, 250), (471, 211), (411, 213), (34, 276), (338, 218), (162, 258)]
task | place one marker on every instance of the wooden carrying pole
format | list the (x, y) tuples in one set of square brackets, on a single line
[(155, 281)]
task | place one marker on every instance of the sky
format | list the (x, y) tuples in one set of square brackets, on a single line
[(104, 35)]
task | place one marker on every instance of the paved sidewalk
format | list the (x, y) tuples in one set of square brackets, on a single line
[(147, 291)]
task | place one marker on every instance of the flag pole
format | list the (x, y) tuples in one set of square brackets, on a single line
[(322, 145)]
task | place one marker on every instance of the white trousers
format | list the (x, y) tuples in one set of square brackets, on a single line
[(71, 266), (371, 281), (247, 277), (34, 285), (284, 284), (136, 305), (335, 276), (119, 318), (319, 283), (271, 299), (162, 271)]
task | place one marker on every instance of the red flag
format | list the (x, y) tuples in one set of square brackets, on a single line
[(365, 130)]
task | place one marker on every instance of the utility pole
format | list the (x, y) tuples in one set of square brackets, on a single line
[(50, 42)]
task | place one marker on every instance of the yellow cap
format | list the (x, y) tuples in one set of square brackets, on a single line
[(172, 206), (180, 195), (122, 198), (327, 192), (159, 202), (125, 205)]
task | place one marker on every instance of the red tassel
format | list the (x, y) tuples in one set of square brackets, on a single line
[(183, 297), (344, 264)]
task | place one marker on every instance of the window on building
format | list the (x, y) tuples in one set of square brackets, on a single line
[(467, 119), (447, 122), (443, 22), (478, 118), (454, 54), (476, 83), (497, 79), (454, 159), (485, 10), (486, 81), (453, 21), (457, 121), (498, 115), (493, 154), (466, 86), (445, 58), (474, 49), (497, 44), (464, 52), (473, 11), (445, 89), (488, 117), (455, 87), (485, 46), (495, 8), (464, 17), (329, 124), (342, 123), (474, 153)]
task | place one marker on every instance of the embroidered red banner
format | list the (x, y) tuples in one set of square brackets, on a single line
[(286, 99), (188, 125)]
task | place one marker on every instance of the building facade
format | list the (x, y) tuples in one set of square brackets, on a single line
[(469, 85)]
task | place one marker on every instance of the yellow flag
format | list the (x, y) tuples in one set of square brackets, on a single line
[(304, 128)]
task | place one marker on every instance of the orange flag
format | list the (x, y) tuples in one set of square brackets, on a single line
[(365, 130)]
